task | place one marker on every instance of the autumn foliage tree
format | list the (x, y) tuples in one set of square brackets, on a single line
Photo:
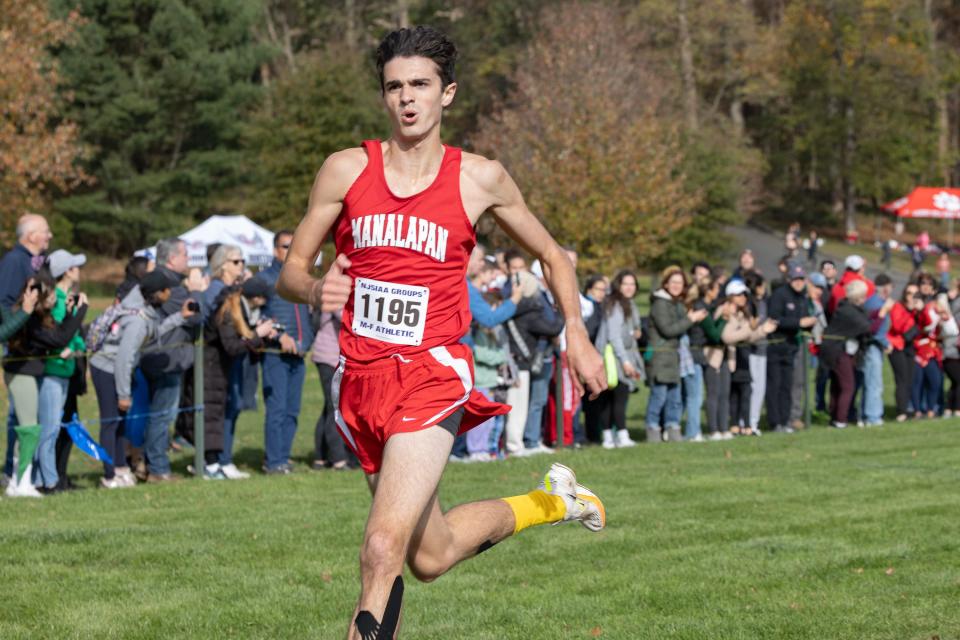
[(38, 149), (582, 136)]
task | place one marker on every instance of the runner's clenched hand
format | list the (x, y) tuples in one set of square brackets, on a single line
[(331, 292)]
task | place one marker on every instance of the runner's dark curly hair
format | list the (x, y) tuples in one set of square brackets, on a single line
[(421, 41)]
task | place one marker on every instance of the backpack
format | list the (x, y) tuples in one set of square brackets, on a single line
[(107, 324)]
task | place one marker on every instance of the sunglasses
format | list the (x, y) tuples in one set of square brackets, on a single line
[(238, 261)]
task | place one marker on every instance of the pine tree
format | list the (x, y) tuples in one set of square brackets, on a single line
[(161, 90)]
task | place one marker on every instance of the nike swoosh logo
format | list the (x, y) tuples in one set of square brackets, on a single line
[(406, 419)]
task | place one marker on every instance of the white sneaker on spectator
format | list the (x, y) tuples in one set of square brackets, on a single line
[(213, 472), (480, 456), (697, 438), (840, 425), (22, 490), (540, 448), (127, 479), (116, 482), (726, 435), (715, 436), (232, 473), (623, 439), (608, 442)]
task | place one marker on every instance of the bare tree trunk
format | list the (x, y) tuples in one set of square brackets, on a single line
[(736, 115), (688, 73), (954, 134), (282, 40), (940, 101), (266, 78), (835, 171), (350, 10), (403, 13), (850, 192)]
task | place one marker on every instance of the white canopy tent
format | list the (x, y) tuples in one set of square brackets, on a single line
[(255, 241)]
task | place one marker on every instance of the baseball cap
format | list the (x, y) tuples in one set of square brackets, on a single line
[(853, 263), (819, 280), (796, 272), (256, 287), (735, 288), (61, 261), (156, 280)]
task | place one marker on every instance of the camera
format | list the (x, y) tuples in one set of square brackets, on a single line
[(279, 328), (193, 306), (36, 287)]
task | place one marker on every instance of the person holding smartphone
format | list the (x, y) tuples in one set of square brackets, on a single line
[(24, 366), (65, 269)]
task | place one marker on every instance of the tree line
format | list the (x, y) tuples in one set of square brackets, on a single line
[(637, 130)]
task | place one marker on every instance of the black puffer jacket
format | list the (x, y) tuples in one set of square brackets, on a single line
[(849, 323), (223, 344), (532, 323), (34, 341), (787, 307)]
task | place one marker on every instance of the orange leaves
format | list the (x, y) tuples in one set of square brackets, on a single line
[(36, 149), (584, 140)]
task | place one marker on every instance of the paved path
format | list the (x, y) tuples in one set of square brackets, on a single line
[(768, 249)]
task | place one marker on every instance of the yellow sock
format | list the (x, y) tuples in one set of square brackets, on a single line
[(536, 507)]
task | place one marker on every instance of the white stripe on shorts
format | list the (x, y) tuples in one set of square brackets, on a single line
[(335, 393), (459, 365)]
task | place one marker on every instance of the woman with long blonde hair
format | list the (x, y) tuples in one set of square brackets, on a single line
[(233, 331)]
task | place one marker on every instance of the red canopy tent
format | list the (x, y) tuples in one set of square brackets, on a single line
[(927, 202)]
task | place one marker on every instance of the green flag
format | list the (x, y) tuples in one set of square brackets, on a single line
[(27, 438)]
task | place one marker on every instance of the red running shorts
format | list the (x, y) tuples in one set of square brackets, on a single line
[(401, 395)]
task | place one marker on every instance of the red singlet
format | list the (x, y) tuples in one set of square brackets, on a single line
[(409, 263), (402, 367)]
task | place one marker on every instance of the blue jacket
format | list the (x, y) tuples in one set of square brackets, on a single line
[(880, 327), (484, 314), (295, 318), (15, 268)]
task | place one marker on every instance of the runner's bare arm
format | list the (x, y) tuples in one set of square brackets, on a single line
[(326, 201), (487, 184)]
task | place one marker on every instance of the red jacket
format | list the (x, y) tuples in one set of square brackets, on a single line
[(839, 291), (927, 342), (901, 321)]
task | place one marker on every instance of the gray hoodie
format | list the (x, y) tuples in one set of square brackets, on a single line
[(121, 349)]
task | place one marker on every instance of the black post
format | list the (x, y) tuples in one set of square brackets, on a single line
[(199, 463)]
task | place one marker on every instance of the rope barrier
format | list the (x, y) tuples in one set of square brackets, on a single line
[(87, 354), (137, 416)]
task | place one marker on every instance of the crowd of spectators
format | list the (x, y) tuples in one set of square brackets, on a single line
[(718, 352), (713, 349), (140, 352)]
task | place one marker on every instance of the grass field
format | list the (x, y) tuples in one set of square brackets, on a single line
[(822, 534)]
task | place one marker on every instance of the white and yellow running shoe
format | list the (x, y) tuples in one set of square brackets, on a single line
[(582, 505)]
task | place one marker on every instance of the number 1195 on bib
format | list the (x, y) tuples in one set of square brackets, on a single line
[(389, 312)]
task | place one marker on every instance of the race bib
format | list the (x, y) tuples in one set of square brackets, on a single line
[(395, 313)]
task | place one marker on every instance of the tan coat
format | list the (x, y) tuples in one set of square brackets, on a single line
[(736, 331)]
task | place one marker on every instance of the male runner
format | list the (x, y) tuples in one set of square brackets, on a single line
[(403, 214)]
